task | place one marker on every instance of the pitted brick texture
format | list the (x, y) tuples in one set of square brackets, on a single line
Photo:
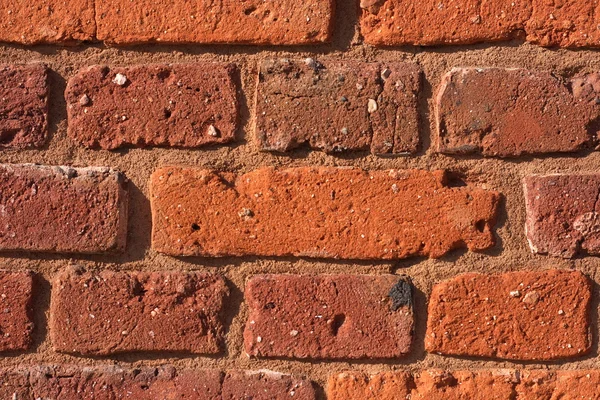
[(517, 315), (338, 106), (62, 209), (116, 312), (16, 318), (329, 316), (182, 105), (317, 212)]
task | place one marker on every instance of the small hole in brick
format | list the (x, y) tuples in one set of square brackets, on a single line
[(195, 227), (480, 225), (337, 323), (167, 113), (269, 306), (249, 10)]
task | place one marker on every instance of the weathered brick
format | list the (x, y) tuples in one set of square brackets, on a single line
[(564, 385), (509, 112), (24, 105), (284, 22), (317, 212), (16, 323), (359, 385), (62, 209), (562, 214), (116, 312), (518, 315), (398, 22), (338, 106), (47, 21), (183, 105), (265, 385), (328, 316)]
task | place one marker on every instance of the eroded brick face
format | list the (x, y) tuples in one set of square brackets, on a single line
[(184, 105), (16, 303), (88, 204), (338, 106), (317, 212), (329, 316), (117, 312), (518, 315)]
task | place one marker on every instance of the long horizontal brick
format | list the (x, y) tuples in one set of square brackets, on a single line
[(542, 315), (116, 312), (183, 105), (328, 316), (62, 209), (24, 105), (510, 112), (47, 21), (16, 319), (282, 22), (147, 383), (430, 22), (317, 212), (550, 385), (337, 106), (562, 214)]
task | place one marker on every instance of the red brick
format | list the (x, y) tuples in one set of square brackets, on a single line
[(328, 316), (62, 209), (564, 385), (517, 315), (16, 324), (562, 214), (116, 312), (326, 106), (47, 21), (183, 105), (358, 385), (430, 22), (510, 112), (284, 22), (317, 212), (24, 106), (265, 385)]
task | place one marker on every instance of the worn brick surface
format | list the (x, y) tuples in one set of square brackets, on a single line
[(62, 209), (183, 105), (562, 214), (16, 319), (359, 385), (265, 385), (541, 315), (564, 385), (398, 22), (317, 212), (463, 385), (328, 316), (116, 312), (47, 21), (24, 105), (510, 112), (285, 22), (338, 106)]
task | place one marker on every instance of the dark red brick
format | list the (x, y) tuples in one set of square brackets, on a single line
[(24, 105), (116, 312), (526, 315), (47, 21), (328, 316), (337, 106), (183, 105), (16, 323), (62, 209), (562, 214), (317, 212), (284, 22), (510, 112), (265, 385)]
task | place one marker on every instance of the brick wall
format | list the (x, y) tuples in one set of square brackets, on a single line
[(374, 199)]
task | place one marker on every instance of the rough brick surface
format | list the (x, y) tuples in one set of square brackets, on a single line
[(317, 212), (510, 112), (62, 209), (24, 106), (337, 106), (183, 105), (328, 316), (430, 22), (16, 324), (359, 385), (564, 385), (562, 214), (518, 315), (47, 21), (116, 312), (284, 22), (265, 385)]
